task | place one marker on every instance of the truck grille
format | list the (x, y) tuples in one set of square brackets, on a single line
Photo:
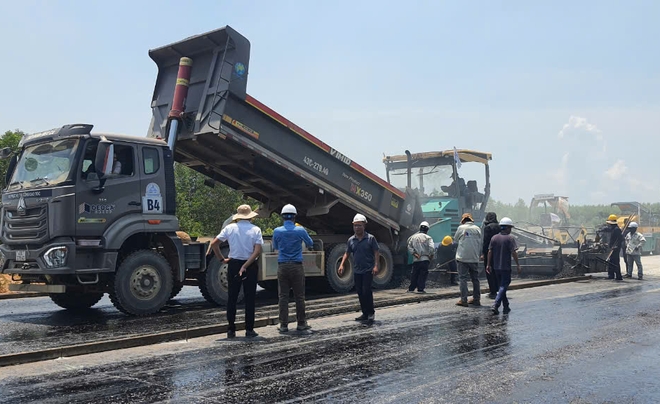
[(30, 228)]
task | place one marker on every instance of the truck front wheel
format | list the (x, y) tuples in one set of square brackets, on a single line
[(214, 284), (142, 284), (76, 300)]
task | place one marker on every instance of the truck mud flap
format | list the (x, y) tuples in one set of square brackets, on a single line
[(28, 287)]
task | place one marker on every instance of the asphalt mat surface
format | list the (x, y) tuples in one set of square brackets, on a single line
[(582, 342), (36, 323)]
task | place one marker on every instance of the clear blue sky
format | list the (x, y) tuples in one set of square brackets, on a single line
[(374, 77)]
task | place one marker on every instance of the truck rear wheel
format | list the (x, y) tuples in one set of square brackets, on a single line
[(385, 268), (339, 283), (214, 283), (75, 300), (142, 284)]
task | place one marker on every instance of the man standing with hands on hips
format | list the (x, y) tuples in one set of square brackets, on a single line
[(245, 246), (364, 248)]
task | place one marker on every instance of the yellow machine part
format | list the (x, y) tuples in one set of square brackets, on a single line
[(564, 237)]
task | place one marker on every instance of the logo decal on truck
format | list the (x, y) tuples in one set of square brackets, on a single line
[(91, 220), (240, 126), (240, 69), (340, 157), (21, 208), (99, 209)]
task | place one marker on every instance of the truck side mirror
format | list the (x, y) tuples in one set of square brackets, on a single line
[(103, 163), (103, 160), (5, 152), (10, 168)]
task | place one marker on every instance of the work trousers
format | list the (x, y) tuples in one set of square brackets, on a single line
[(469, 270), (420, 271), (493, 285), (291, 275), (614, 266), (636, 259), (504, 280), (363, 289), (249, 292)]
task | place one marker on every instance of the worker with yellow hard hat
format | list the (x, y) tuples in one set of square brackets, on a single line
[(445, 258), (614, 243)]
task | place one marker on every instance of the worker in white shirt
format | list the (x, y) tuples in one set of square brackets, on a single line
[(245, 245), (634, 243)]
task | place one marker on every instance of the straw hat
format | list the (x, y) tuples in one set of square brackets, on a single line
[(244, 212), (466, 217)]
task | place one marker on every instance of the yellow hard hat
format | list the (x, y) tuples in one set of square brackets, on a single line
[(612, 218), (447, 240)]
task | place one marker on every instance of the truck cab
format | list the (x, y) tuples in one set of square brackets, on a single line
[(77, 205)]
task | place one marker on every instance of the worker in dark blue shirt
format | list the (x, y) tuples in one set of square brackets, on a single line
[(287, 240), (365, 250)]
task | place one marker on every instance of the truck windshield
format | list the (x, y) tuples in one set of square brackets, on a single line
[(44, 164), (430, 181)]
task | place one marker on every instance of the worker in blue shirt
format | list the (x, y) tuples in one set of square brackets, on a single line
[(287, 240)]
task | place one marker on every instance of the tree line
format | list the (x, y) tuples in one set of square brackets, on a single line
[(202, 209)]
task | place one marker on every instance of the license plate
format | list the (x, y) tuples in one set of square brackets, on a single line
[(21, 255)]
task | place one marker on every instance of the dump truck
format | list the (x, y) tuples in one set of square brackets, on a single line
[(87, 213)]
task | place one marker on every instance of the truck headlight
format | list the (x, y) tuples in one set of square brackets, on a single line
[(56, 257)]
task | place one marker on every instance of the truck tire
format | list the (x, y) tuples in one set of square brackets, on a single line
[(75, 300), (385, 268), (345, 282), (142, 284), (214, 285)]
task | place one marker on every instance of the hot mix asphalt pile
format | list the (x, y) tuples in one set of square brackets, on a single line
[(569, 271), (5, 280)]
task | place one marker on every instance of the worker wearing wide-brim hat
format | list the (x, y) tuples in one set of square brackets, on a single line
[(445, 257), (245, 245)]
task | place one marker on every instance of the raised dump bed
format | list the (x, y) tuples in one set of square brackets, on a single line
[(234, 139)]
